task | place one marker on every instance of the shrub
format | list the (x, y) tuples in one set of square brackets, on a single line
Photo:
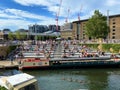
[(2, 88)]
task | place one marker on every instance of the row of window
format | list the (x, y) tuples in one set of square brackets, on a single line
[(113, 29), (113, 37)]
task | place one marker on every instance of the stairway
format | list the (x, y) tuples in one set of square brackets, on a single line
[(58, 51)]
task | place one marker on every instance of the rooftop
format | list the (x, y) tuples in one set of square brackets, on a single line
[(19, 78)]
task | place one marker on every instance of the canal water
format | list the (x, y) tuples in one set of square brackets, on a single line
[(74, 79)]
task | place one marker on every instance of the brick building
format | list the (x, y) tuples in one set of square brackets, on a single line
[(78, 29)]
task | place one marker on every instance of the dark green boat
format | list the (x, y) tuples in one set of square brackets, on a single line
[(85, 62)]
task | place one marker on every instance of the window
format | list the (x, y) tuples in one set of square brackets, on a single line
[(33, 63), (113, 22), (113, 37), (113, 26), (83, 34), (113, 33), (113, 29), (113, 19)]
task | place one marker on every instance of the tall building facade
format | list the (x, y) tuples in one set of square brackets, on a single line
[(66, 31), (33, 29), (79, 29), (114, 24), (52, 27)]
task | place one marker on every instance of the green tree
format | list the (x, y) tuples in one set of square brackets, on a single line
[(39, 37), (2, 88), (96, 27), (10, 36), (36, 37), (18, 35), (23, 36)]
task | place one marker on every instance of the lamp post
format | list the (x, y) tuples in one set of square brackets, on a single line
[(35, 38), (30, 31), (108, 22)]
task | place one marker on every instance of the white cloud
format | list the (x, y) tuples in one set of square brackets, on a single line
[(51, 5), (112, 2), (3, 15), (24, 14), (37, 2), (73, 5), (32, 2), (20, 17), (13, 24)]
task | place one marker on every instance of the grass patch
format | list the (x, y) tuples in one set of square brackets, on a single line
[(105, 47)]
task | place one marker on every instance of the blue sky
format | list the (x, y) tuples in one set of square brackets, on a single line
[(16, 14)]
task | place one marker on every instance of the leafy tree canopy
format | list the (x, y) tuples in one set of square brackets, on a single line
[(18, 35), (11, 36), (96, 27), (2, 88)]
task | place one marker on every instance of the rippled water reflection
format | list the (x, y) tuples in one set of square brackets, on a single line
[(75, 79)]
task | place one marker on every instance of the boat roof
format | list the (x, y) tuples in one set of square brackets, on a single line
[(34, 56), (19, 78), (75, 58)]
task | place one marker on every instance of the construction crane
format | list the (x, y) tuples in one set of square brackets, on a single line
[(57, 15), (79, 13), (67, 16)]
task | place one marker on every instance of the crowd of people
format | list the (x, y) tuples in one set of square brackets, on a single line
[(68, 48)]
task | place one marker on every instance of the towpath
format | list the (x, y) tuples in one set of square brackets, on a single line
[(8, 64)]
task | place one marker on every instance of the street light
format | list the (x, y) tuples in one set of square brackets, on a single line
[(35, 38)]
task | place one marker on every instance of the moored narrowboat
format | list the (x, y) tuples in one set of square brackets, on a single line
[(29, 63)]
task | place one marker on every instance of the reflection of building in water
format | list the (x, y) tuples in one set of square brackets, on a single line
[(98, 79)]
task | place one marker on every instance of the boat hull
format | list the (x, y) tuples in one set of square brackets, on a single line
[(88, 65), (57, 64)]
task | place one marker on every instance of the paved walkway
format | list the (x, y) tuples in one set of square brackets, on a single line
[(8, 64), (58, 51)]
